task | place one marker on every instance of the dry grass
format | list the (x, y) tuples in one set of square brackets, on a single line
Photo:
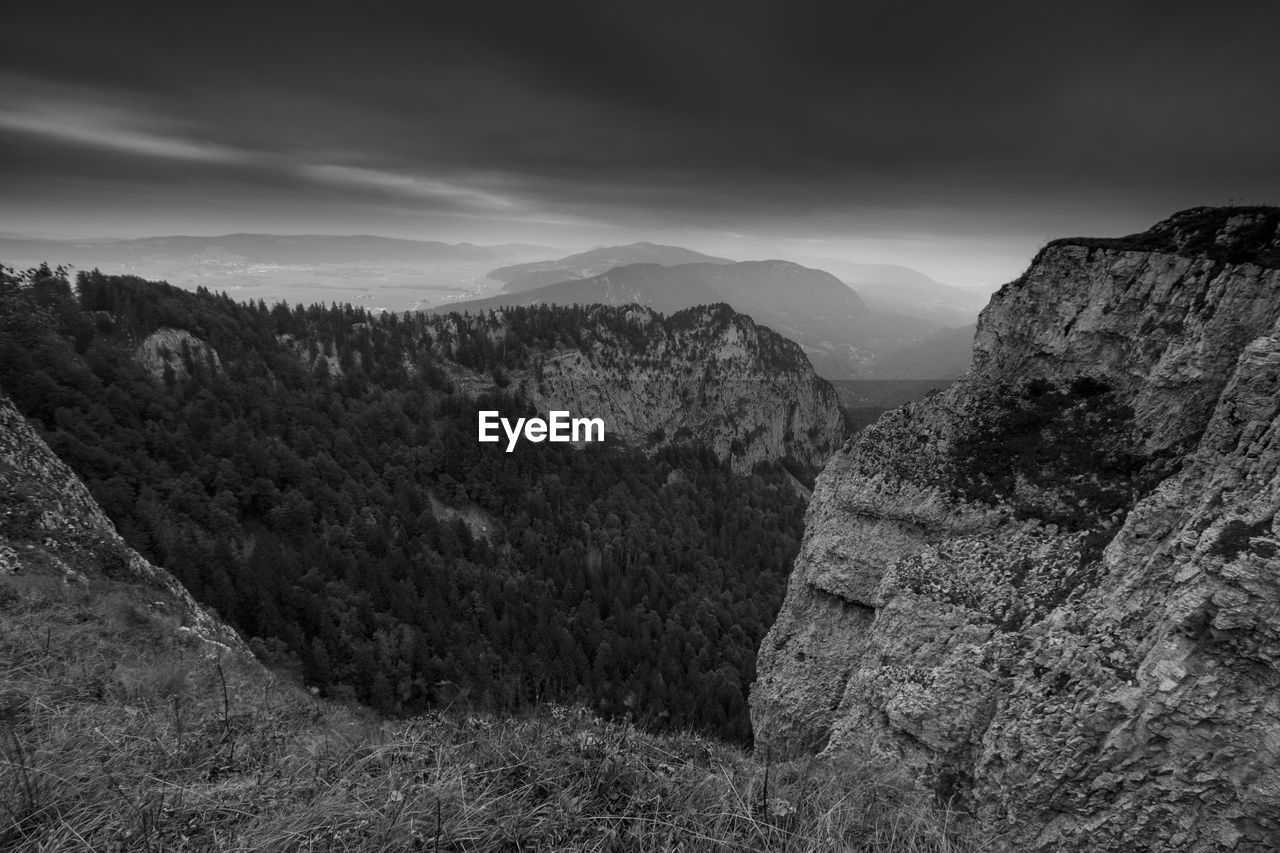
[(115, 735)]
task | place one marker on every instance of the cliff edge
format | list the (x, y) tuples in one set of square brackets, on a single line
[(1053, 590)]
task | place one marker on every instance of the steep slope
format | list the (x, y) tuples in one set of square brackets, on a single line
[(50, 522), (838, 332), (520, 277), (706, 375), (1050, 590)]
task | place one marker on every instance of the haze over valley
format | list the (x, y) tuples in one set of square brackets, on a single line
[(918, 328), (375, 272)]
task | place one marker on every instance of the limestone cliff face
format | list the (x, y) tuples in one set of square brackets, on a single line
[(171, 351), (50, 525), (708, 375), (1053, 590)]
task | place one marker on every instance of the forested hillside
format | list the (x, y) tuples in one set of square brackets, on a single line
[(311, 475)]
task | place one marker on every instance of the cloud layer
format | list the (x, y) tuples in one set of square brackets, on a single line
[(930, 125)]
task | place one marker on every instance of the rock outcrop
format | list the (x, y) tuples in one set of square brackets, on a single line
[(50, 525), (706, 375), (1053, 590), (174, 353)]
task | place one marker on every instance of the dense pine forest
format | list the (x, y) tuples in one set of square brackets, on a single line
[(319, 485)]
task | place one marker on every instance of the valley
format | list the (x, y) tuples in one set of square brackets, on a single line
[(134, 718), (314, 476)]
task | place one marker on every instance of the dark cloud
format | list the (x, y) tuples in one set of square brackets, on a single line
[(769, 118)]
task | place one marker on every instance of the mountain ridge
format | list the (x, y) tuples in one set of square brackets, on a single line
[(841, 335), (896, 288), (526, 276)]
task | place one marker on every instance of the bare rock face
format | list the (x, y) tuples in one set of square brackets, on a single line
[(175, 353), (707, 375), (1053, 590), (50, 524)]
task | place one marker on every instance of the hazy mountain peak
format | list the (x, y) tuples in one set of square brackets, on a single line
[(903, 290), (520, 277)]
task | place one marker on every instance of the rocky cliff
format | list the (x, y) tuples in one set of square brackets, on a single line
[(706, 375), (51, 527), (1053, 590)]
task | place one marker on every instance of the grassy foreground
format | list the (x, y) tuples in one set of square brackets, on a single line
[(121, 731)]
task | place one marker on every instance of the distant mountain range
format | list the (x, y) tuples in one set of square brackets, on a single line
[(379, 273), (665, 289), (521, 277), (876, 321), (259, 248), (889, 287), (841, 334)]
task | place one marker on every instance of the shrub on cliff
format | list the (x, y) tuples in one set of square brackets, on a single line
[(1067, 455)]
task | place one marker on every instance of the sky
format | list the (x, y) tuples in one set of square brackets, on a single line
[(955, 138)]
